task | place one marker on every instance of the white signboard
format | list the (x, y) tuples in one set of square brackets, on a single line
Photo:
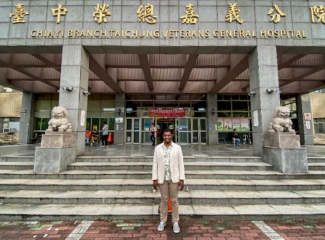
[(307, 124), (118, 120), (255, 118), (82, 118)]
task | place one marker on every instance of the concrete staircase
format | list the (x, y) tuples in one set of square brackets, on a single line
[(121, 187)]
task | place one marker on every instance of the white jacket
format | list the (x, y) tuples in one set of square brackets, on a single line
[(176, 164)]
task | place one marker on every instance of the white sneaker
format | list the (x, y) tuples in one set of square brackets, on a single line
[(161, 226), (176, 228)]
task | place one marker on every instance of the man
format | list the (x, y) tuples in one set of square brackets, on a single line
[(168, 174), (104, 134)]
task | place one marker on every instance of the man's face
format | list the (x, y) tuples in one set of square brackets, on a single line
[(167, 137)]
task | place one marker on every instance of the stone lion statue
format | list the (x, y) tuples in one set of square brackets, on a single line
[(59, 121), (281, 121)]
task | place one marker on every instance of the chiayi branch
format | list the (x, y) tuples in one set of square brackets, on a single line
[(89, 33)]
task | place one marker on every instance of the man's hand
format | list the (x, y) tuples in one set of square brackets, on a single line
[(155, 184), (181, 185)]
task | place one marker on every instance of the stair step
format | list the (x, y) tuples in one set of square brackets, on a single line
[(17, 159), (17, 165), (195, 197), (146, 184), (188, 166), (146, 174), (52, 212), (150, 159), (315, 159), (316, 166)]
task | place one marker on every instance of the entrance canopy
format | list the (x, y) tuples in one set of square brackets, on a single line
[(172, 73)]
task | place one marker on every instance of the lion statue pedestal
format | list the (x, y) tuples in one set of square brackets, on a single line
[(282, 146), (58, 146)]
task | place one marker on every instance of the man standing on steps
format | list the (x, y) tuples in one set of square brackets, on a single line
[(168, 174)]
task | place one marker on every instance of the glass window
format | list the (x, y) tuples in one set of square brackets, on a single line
[(95, 124), (223, 114), (221, 106), (240, 106), (111, 124), (88, 123), (38, 123), (319, 125), (45, 123), (240, 114), (200, 114)]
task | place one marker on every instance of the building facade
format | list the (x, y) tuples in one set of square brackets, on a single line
[(201, 68)]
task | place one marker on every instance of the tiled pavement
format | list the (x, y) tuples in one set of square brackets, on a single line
[(201, 229)]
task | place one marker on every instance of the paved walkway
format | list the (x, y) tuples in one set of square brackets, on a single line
[(201, 229), (147, 150)]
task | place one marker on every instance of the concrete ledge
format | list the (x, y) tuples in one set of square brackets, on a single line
[(281, 140), (53, 160), (287, 160), (58, 140)]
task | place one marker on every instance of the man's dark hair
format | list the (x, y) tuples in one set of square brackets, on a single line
[(168, 130)]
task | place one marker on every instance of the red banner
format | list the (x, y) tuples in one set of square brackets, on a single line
[(176, 112)]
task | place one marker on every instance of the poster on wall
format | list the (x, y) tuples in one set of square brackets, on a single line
[(220, 125), (255, 118), (227, 124), (147, 124), (82, 118), (244, 125), (236, 124)]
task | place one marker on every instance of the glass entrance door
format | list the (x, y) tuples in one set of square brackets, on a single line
[(199, 132), (133, 130), (183, 131)]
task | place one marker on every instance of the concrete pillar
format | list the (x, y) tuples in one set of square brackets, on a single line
[(212, 119), (26, 118), (75, 74), (263, 69), (119, 112), (304, 106)]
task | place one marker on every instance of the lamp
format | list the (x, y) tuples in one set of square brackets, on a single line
[(119, 111), (252, 93), (23, 111), (213, 111), (85, 92), (69, 89), (271, 90)]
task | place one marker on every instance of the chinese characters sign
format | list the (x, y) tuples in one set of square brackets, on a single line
[(317, 14), (19, 14), (190, 17), (146, 13), (101, 12), (176, 112), (57, 12)]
